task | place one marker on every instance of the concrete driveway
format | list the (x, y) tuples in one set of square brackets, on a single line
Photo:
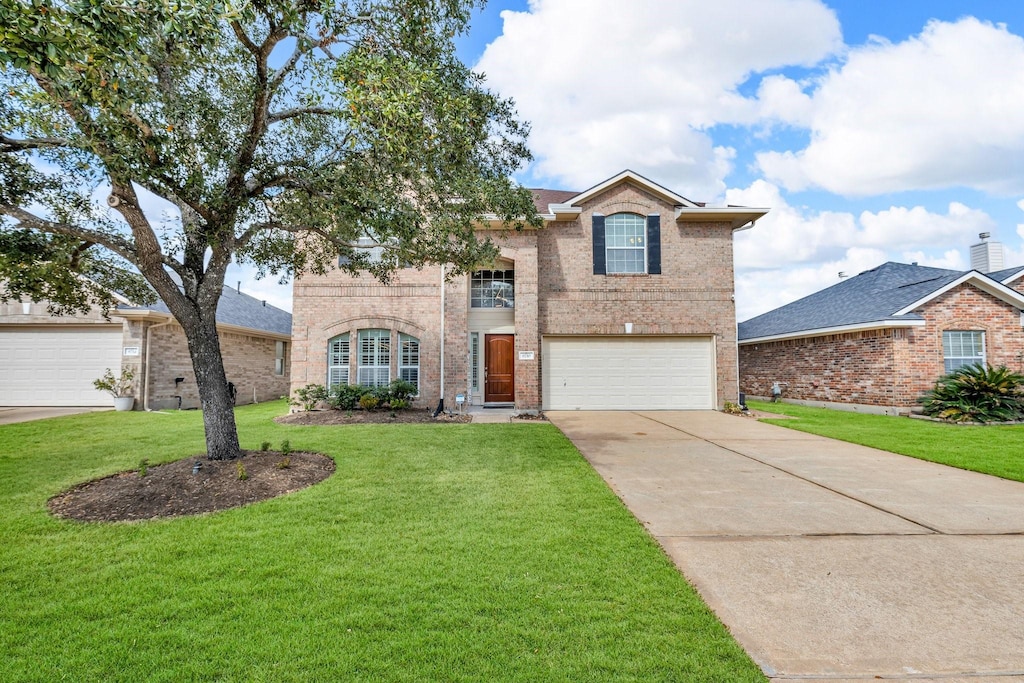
[(10, 415), (827, 561)]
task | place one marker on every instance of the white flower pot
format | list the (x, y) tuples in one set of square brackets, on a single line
[(124, 403)]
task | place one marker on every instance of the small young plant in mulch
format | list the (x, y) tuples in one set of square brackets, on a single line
[(240, 471), (265, 446), (284, 463), (143, 467), (286, 448)]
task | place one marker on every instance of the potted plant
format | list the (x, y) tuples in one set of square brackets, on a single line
[(118, 387)]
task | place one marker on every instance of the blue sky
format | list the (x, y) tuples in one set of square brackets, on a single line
[(874, 131)]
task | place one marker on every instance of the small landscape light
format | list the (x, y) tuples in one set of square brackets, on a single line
[(196, 467)]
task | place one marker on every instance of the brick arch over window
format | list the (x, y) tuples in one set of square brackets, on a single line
[(383, 322)]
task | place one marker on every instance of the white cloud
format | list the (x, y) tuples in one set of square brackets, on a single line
[(610, 85), (934, 111), (794, 251)]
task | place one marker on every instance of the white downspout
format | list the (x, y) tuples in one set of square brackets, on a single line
[(149, 343), (440, 404)]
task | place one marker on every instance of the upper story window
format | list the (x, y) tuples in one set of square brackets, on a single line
[(337, 360), (492, 289), (962, 347), (626, 243), (374, 358)]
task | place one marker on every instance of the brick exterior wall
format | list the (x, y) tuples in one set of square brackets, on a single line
[(890, 367), (556, 294), (249, 362)]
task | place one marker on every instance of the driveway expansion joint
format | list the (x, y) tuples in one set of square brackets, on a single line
[(794, 474)]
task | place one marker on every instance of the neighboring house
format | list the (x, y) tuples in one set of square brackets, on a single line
[(882, 338), (623, 300), (52, 360)]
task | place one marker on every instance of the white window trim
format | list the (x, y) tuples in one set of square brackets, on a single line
[(279, 355), (403, 357), (378, 373), (609, 224), (339, 370), (960, 361)]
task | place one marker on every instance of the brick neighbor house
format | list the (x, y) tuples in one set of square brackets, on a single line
[(879, 340), (623, 300), (52, 360)]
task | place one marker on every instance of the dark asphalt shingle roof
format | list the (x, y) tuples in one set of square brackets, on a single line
[(240, 310), (1001, 275), (874, 295)]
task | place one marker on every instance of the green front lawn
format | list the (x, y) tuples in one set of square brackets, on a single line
[(435, 552), (996, 450)]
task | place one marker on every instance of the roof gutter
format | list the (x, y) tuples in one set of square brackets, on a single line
[(839, 329)]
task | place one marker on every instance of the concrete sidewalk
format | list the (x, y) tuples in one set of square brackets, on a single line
[(826, 560), (11, 415)]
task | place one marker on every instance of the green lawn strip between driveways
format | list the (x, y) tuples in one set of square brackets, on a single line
[(435, 552), (991, 449)]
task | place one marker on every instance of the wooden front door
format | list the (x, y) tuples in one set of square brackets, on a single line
[(499, 368)]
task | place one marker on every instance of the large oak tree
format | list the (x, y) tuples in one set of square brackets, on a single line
[(284, 133)]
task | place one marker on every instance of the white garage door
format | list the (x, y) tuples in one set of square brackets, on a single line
[(638, 373), (46, 367)]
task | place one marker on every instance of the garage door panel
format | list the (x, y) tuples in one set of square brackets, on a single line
[(639, 373), (56, 367)]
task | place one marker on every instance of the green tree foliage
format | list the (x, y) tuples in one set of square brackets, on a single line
[(284, 133), (976, 393)]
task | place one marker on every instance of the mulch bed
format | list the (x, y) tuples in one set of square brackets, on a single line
[(344, 417), (171, 490)]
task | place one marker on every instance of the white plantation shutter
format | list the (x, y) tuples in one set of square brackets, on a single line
[(374, 357), (409, 360), (338, 360)]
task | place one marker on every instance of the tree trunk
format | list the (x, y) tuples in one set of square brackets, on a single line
[(217, 403)]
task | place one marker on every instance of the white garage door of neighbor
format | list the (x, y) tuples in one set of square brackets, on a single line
[(639, 373), (57, 367)]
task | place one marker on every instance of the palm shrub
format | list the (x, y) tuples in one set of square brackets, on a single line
[(976, 393)]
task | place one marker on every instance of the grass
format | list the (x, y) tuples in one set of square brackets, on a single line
[(435, 552), (990, 449)]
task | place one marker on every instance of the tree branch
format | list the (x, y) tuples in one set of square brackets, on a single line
[(118, 245), (300, 111), (14, 145)]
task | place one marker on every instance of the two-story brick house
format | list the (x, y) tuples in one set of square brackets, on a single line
[(622, 300)]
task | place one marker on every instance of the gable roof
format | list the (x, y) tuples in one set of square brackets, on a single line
[(235, 309), (882, 297), (558, 205)]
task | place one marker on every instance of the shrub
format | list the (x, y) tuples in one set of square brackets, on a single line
[(346, 396), (117, 387), (286, 447), (400, 390), (310, 396), (368, 402), (143, 467), (265, 446), (399, 404), (975, 393)]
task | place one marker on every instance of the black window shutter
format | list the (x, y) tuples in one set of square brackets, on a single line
[(599, 262), (654, 245)]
